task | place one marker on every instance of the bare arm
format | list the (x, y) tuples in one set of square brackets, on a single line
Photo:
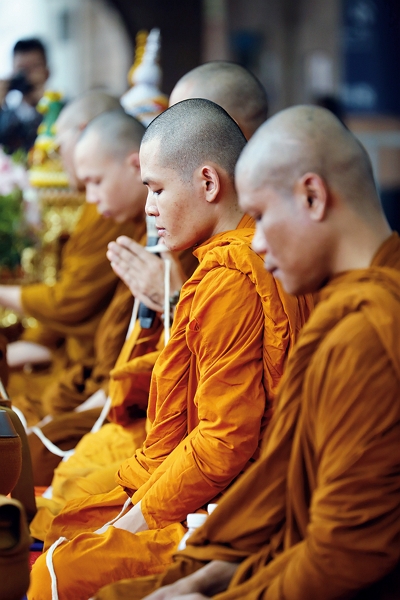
[(10, 297), (132, 521), (143, 272), (21, 352), (211, 579)]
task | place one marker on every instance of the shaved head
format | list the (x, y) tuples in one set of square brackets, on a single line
[(73, 119), (305, 139), (86, 107), (309, 183), (231, 86), (107, 161), (193, 132), (116, 133)]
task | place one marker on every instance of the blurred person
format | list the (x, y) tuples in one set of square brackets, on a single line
[(19, 123), (68, 312)]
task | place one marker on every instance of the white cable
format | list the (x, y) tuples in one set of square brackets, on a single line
[(133, 320), (50, 566), (21, 418), (100, 420), (106, 408), (157, 249), (104, 527), (102, 417), (49, 444), (167, 293)]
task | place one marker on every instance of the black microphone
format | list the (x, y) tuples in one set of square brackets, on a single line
[(146, 315)]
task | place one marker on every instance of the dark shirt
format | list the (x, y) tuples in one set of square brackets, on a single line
[(18, 127)]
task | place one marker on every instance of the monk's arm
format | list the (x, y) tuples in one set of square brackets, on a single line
[(10, 297), (86, 281), (351, 539), (225, 334), (209, 580)]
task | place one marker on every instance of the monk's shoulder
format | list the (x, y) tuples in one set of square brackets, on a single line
[(235, 254), (353, 350)]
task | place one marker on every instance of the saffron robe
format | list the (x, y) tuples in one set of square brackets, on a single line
[(71, 309), (75, 384), (210, 400), (318, 516), (91, 470)]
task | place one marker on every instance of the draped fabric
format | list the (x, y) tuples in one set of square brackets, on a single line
[(210, 400), (91, 470), (70, 311), (72, 308), (318, 516)]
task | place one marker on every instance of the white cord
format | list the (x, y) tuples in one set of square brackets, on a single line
[(61, 540), (99, 422), (21, 418), (102, 417), (50, 566), (49, 444), (133, 320), (104, 527), (167, 293)]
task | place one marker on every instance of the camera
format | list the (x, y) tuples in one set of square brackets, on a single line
[(20, 82)]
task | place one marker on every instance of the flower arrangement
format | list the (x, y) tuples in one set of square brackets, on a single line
[(14, 232)]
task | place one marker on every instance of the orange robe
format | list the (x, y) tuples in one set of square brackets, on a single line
[(91, 470), (318, 516), (77, 383), (72, 309), (209, 403)]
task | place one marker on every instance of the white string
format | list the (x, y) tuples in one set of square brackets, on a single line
[(61, 540), (167, 293), (49, 444), (21, 418), (100, 420), (104, 527), (102, 417), (50, 566), (133, 320)]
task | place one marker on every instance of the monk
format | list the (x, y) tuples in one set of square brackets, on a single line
[(244, 98), (107, 161), (210, 395), (318, 516), (97, 457), (66, 310)]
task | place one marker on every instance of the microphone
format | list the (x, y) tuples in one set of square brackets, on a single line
[(145, 314)]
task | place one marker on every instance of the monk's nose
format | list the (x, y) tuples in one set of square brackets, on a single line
[(151, 208)]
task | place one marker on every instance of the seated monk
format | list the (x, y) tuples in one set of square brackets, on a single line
[(213, 384), (107, 161), (73, 307), (96, 459), (243, 97), (318, 516)]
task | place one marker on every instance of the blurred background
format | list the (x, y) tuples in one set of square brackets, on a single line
[(341, 53)]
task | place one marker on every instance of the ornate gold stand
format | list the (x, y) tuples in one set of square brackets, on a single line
[(59, 209)]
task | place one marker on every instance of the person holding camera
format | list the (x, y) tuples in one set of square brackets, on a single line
[(19, 120)]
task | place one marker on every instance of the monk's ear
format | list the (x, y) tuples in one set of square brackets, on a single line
[(133, 160), (312, 193), (210, 182)]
